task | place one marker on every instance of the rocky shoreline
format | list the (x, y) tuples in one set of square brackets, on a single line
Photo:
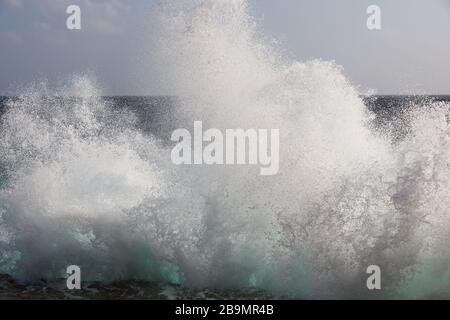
[(127, 290)]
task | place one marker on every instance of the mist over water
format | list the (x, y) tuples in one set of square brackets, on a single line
[(84, 185)]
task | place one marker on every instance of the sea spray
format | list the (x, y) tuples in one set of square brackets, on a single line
[(86, 186), (344, 197), (77, 173)]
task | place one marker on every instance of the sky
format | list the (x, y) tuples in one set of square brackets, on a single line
[(409, 55)]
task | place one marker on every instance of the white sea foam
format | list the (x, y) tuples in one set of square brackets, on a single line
[(87, 187)]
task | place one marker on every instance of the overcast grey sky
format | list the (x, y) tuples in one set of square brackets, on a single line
[(411, 54)]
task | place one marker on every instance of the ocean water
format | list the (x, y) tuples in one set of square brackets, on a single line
[(75, 191), (87, 179)]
